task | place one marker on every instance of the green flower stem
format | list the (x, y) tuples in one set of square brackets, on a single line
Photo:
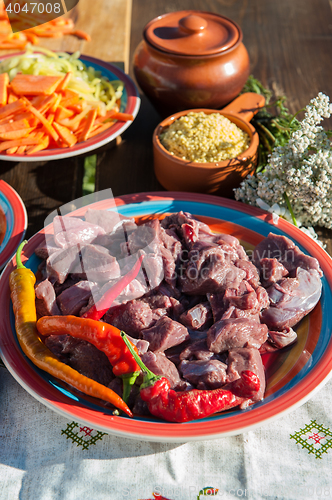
[(289, 206), (266, 131)]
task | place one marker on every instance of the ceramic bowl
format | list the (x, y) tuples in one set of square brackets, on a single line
[(176, 174)]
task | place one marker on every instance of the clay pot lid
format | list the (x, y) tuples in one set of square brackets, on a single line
[(192, 33)]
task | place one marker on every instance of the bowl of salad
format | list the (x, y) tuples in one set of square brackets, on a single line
[(55, 105)]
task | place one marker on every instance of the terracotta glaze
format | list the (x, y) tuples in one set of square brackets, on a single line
[(176, 174), (191, 59)]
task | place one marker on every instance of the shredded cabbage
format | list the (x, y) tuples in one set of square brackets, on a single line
[(89, 83)]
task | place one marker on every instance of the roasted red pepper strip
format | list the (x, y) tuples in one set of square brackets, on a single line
[(105, 337), (184, 406), (98, 310)]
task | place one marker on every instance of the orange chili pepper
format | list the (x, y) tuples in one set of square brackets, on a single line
[(21, 283), (105, 337)]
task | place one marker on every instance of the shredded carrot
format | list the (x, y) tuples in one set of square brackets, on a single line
[(38, 101), (11, 108), (69, 101), (12, 151), (65, 134), (73, 123), (89, 122), (4, 81), (35, 84), (80, 34), (11, 97), (39, 147), (32, 120), (76, 107), (123, 117), (15, 134), (64, 82), (32, 38), (14, 125), (108, 115), (99, 129), (62, 113), (48, 104), (37, 28), (37, 134), (18, 142), (50, 130), (57, 101)]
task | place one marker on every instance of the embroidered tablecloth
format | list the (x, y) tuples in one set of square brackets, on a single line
[(43, 456)]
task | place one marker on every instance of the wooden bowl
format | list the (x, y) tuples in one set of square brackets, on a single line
[(176, 174)]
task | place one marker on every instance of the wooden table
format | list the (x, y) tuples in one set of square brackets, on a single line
[(289, 45)]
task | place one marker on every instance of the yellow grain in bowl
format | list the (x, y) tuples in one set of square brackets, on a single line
[(204, 138)]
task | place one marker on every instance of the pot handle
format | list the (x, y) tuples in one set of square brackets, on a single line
[(246, 105)]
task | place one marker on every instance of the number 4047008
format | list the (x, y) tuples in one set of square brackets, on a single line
[(34, 7)]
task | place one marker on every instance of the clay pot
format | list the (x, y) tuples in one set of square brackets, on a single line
[(191, 59), (176, 174)]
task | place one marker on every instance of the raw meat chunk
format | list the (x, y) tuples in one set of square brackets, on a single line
[(272, 271), (82, 356), (160, 365), (45, 249), (109, 220), (228, 334), (292, 299), (144, 238), (218, 305), (197, 350), (164, 334), (59, 264), (209, 374), (69, 231), (209, 271), (240, 360), (97, 264), (142, 345), (132, 291), (132, 317), (283, 339), (198, 317), (115, 241), (246, 298), (168, 265), (285, 251), (46, 299), (157, 300), (74, 298), (252, 274)]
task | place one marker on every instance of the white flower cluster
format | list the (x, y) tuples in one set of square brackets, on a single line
[(302, 169)]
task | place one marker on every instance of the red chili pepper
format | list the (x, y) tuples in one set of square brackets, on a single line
[(105, 337), (184, 406), (98, 310)]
